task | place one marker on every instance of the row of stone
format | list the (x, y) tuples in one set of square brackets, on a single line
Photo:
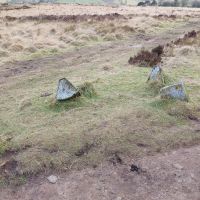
[(177, 91)]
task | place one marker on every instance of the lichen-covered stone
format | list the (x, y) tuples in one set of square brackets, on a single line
[(176, 91), (156, 74), (65, 90)]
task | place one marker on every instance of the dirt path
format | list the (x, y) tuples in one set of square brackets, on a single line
[(174, 175)]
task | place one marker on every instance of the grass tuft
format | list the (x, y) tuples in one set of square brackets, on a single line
[(154, 87), (177, 109), (4, 145), (183, 110), (87, 90)]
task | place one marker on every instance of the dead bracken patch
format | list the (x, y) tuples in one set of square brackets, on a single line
[(162, 17), (147, 58), (68, 18), (158, 50), (187, 36), (7, 6)]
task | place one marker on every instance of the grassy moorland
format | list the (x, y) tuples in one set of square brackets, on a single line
[(123, 116)]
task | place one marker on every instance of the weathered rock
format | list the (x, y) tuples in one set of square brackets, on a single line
[(65, 90), (156, 74), (52, 179), (176, 91)]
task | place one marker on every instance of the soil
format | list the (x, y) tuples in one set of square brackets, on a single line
[(174, 175)]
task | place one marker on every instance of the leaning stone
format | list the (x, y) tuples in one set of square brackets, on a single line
[(176, 91), (156, 74), (65, 90)]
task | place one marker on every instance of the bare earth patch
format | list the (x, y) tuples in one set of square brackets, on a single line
[(174, 175)]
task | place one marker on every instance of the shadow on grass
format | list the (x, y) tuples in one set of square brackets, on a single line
[(162, 103), (58, 106)]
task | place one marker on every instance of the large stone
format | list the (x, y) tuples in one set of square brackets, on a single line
[(156, 74), (65, 90), (176, 91)]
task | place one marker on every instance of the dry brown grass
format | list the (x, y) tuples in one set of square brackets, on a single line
[(36, 38), (63, 9)]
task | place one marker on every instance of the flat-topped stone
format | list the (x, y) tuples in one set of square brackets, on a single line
[(65, 90), (176, 91)]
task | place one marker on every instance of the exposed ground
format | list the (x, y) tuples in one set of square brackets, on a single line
[(174, 176), (125, 118)]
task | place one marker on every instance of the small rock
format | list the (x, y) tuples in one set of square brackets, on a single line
[(176, 91), (46, 94), (178, 166), (52, 179)]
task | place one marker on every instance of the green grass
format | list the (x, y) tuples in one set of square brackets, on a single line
[(123, 114), (117, 112)]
